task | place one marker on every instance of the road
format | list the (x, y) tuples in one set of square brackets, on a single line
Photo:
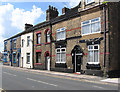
[(21, 80)]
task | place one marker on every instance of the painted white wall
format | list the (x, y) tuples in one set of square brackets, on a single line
[(25, 50)]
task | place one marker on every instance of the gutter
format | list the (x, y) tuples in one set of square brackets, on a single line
[(33, 50)]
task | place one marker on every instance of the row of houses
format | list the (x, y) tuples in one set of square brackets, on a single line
[(84, 39)]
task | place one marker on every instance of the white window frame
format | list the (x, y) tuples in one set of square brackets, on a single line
[(14, 44), (94, 54), (22, 42), (27, 58), (28, 41), (60, 30), (90, 23), (39, 37), (88, 2), (48, 36), (60, 55)]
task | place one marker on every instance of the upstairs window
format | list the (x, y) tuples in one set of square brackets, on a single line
[(22, 42), (38, 38), (28, 40), (48, 37), (89, 1), (5, 44), (61, 34), (14, 44), (91, 26)]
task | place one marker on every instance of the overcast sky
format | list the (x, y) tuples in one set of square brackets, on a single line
[(13, 15)]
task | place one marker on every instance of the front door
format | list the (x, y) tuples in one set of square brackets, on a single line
[(77, 63), (48, 62)]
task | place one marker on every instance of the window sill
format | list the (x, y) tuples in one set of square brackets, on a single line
[(38, 44), (38, 64), (47, 43), (60, 62), (95, 63), (91, 33)]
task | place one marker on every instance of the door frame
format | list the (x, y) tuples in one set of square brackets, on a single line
[(77, 54), (48, 63)]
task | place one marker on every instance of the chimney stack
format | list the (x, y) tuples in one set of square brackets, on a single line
[(51, 13), (27, 26), (83, 4), (64, 10)]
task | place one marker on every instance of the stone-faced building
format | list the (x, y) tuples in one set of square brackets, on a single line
[(86, 39), (42, 41), (12, 50)]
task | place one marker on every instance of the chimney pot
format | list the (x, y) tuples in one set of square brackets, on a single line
[(27, 26)]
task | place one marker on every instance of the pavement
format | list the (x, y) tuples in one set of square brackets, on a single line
[(89, 78)]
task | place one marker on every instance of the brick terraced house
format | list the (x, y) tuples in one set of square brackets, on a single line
[(84, 39), (12, 51)]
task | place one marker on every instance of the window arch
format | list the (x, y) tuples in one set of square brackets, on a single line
[(47, 53), (47, 35)]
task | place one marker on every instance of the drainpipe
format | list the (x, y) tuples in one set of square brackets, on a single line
[(33, 48), (50, 45), (104, 57)]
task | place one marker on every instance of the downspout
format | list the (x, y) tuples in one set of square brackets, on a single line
[(33, 49), (50, 45), (104, 57)]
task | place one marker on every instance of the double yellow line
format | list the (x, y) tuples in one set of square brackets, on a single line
[(2, 90)]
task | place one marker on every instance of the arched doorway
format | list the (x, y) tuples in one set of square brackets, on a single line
[(77, 55), (47, 60)]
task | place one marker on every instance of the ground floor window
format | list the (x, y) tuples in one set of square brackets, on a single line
[(38, 57), (93, 54), (28, 58), (14, 58), (60, 55)]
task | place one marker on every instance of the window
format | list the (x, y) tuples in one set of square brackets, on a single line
[(14, 44), (89, 1), (28, 58), (14, 58), (5, 45), (38, 38), (61, 55), (38, 57), (28, 40), (48, 36), (22, 42), (91, 26), (61, 34), (93, 54)]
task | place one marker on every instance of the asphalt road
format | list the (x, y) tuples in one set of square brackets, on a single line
[(21, 80)]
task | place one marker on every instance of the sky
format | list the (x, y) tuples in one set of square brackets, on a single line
[(14, 15)]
